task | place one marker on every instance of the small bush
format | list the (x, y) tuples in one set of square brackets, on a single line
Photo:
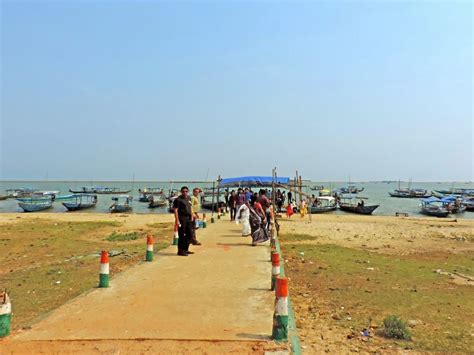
[(122, 237), (395, 328)]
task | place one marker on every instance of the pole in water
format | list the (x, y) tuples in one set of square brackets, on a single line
[(104, 269), (275, 269), (280, 316), (176, 235), (149, 248)]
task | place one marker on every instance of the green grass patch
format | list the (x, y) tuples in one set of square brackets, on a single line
[(297, 237), (122, 237), (371, 286)]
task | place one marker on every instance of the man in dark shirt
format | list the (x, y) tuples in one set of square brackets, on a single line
[(183, 219)]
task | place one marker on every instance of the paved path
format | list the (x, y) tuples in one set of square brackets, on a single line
[(219, 293)]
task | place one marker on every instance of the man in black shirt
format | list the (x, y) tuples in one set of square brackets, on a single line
[(183, 219)]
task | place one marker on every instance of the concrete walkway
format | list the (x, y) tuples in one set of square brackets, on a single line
[(219, 293)]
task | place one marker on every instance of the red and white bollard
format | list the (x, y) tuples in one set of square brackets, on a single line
[(104, 269), (280, 316), (275, 268), (149, 248)]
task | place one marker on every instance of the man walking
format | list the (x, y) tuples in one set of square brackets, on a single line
[(183, 220)]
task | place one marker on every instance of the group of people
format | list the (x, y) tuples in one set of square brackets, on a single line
[(252, 210)]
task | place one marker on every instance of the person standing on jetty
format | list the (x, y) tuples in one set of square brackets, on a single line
[(232, 200), (183, 220), (239, 199), (196, 207)]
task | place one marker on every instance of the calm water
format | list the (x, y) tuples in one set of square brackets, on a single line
[(377, 192)]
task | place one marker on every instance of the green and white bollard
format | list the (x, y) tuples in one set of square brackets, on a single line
[(280, 317), (104, 269), (212, 219), (176, 235), (5, 315), (149, 248), (204, 221)]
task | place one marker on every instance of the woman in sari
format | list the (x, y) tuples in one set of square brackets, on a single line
[(242, 217), (257, 224)]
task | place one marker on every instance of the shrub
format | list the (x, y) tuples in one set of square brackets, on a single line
[(394, 327), (121, 237)]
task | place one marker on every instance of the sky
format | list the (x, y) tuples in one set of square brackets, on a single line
[(105, 90)]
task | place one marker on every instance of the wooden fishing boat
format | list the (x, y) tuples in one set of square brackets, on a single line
[(35, 205), (455, 192), (21, 192), (155, 202), (409, 192), (433, 206), (36, 198), (356, 205), (121, 204), (3, 197), (453, 204), (80, 202), (317, 188), (100, 190), (323, 204)]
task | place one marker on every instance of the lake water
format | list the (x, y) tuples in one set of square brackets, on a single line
[(377, 192)]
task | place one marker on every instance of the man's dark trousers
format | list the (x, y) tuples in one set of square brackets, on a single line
[(185, 233)]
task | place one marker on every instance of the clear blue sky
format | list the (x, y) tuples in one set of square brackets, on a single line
[(105, 90)]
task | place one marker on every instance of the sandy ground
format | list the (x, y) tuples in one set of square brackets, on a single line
[(389, 235), (215, 301)]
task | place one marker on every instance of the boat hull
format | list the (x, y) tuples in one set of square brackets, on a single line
[(314, 210), (439, 214), (120, 209), (366, 210), (78, 206), (34, 207)]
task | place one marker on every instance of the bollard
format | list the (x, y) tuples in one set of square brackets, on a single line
[(5, 314), (176, 235), (104, 269), (212, 219), (275, 268), (204, 221), (280, 317), (149, 248), (218, 213)]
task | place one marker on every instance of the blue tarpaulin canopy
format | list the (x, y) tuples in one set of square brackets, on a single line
[(430, 199), (253, 181), (448, 199)]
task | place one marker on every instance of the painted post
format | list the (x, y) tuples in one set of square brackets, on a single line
[(5, 314), (280, 317), (218, 213), (176, 235), (204, 220), (275, 269), (149, 248), (104, 269)]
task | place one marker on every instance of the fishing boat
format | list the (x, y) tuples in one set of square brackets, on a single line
[(64, 197), (432, 206), (21, 192), (455, 192), (3, 197), (323, 204), (409, 192), (147, 192), (468, 203), (349, 189), (453, 204), (100, 190), (356, 204), (36, 198), (324, 192), (121, 204), (157, 201), (35, 205), (317, 188), (80, 202)]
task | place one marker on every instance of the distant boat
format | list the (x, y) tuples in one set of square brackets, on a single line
[(21, 192), (121, 204), (323, 204), (100, 190), (148, 192), (455, 192), (324, 192), (469, 204), (317, 188), (80, 202), (433, 206), (3, 197), (208, 205), (355, 204), (35, 205), (409, 192), (155, 202), (349, 189)]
